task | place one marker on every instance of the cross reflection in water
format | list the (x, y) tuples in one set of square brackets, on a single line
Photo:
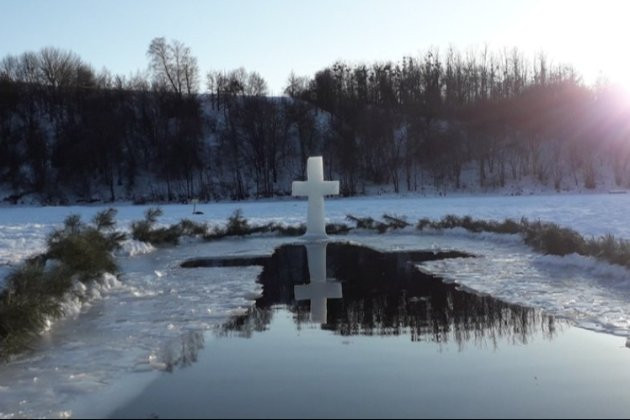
[(383, 294), (319, 290)]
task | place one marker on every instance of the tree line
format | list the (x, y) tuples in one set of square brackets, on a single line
[(424, 120), (68, 131)]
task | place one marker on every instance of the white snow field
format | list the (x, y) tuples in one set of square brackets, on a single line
[(104, 352), (23, 229)]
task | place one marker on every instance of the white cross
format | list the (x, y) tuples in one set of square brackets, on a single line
[(315, 188), (319, 290)]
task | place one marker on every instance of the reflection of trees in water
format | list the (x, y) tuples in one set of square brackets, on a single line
[(255, 320), (180, 352), (383, 294), (461, 317)]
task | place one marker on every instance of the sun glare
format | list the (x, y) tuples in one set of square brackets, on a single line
[(624, 85), (618, 70), (611, 34), (591, 36)]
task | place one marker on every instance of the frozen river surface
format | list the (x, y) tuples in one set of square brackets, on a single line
[(23, 229), (99, 357)]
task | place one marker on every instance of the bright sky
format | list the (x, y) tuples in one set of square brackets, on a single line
[(274, 37)]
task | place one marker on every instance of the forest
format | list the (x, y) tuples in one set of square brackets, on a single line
[(442, 121)]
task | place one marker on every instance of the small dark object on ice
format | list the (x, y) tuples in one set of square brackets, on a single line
[(195, 211)]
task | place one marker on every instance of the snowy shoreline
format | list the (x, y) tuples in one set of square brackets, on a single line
[(23, 229)]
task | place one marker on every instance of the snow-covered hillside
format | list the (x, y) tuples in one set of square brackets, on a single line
[(239, 151)]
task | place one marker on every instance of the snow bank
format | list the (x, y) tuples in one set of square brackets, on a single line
[(82, 295), (132, 247)]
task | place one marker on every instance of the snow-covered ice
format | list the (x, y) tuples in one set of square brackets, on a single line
[(132, 247), (137, 325), (23, 229)]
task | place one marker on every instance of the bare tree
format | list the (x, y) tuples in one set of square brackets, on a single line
[(256, 85), (296, 85), (9, 68), (173, 66), (58, 68)]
